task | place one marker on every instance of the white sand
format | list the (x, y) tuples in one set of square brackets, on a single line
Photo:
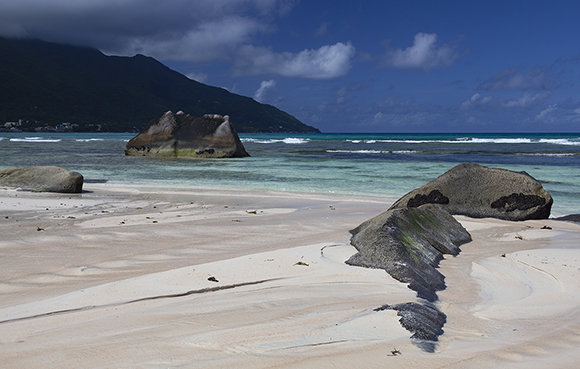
[(119, 278)]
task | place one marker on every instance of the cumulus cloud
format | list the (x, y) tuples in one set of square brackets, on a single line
[(209, 41), (476, 100), (513, 79), (424, 55), (263, 90), (198, 31), (327, 62), (526, 101)]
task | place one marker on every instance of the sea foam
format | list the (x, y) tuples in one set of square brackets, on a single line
[(288, 140), (35, 139)]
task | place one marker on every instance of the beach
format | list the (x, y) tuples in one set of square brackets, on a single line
[(182, 277)]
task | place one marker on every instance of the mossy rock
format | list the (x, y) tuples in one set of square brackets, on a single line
[(408, 243)]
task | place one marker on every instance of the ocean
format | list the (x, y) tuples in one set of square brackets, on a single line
[(388, 165)]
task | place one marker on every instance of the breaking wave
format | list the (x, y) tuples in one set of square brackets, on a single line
[(288, 140), (35, 139), (372, 151), (500, 140), (401, 141), (474, 140), (549, 154), (562, 141)]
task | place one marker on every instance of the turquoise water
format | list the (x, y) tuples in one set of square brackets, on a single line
[(362, 164)]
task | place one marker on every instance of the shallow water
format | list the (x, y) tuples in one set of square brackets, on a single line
[(363, 164)]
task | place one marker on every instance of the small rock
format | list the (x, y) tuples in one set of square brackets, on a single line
[(42, 179)]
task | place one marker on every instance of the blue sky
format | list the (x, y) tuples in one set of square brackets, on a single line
[(348, 66)]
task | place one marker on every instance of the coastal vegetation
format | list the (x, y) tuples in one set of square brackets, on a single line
[(46, 84)]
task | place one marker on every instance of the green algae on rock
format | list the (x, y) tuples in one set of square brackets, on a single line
[(408, 243)]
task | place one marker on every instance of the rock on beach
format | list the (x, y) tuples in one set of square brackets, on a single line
[(570, 218), (181, 135), (42, 179), (410, 238), (409, 243), (482, 192)]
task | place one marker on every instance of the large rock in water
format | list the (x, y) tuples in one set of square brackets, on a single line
[(211, 136), (42, 179), (409, 243), (481, 192)]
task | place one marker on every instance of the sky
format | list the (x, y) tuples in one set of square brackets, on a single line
[(348, 66)]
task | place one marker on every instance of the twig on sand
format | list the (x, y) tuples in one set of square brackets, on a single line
[(394, 352)]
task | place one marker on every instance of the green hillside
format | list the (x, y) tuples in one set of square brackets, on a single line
[(48, 83)]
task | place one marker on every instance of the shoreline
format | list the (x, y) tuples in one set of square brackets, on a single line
[(102, 190), (120, 277), (353, 164)]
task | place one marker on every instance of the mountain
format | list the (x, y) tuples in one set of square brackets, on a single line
[(48, 83)]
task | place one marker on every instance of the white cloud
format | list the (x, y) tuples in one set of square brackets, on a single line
[(233, 89), (198, 31), (399, 120), (425, 54), (198, 76), (526, 101), (574, 117), (209, 41), (510, 79), (476, 100), (323, 29), (341, 95), (262, 91), (544, 114), (327, 62)]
